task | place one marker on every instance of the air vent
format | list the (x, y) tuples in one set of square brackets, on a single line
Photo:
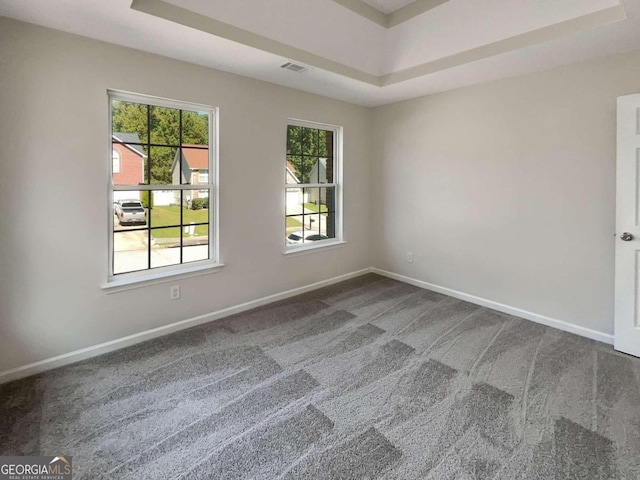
[(294, 67)]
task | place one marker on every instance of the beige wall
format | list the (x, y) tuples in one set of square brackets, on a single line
[(506, 190), (53, 191)]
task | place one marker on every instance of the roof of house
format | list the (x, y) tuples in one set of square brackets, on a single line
[(321, 163), (196, 158), (291, 170), (132, 140)]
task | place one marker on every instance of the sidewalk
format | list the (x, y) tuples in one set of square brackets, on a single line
[(187, 241)]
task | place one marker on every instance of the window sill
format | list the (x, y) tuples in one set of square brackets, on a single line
[(156, 278), (313, 248)]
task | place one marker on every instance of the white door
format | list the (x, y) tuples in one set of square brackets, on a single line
[(627, 298)]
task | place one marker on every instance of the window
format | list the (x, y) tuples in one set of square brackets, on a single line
[(160, 221), (116, 161), (312, 185)]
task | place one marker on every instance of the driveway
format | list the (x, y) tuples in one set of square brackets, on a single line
[(128, 238)]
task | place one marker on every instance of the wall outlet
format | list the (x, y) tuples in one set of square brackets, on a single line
[(410, 257), (175, 292)]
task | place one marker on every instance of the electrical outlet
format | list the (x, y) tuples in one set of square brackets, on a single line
[(175, 292), (410, 257)]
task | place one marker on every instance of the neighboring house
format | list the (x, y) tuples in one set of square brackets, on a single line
[(294, 195), (318, 174), (128, 163), (195, 171), (291, 177)]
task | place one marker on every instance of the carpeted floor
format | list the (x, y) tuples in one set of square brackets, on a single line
[(370, 378)]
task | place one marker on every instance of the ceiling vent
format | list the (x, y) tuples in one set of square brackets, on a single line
[(294, 67)]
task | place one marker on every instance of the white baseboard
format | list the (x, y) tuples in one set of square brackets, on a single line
[(517, 312), (95, 350)]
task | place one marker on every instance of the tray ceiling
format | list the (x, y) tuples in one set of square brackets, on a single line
[(388, 6), (447, 44)]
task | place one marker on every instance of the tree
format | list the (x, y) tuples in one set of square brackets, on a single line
[(305, 147)]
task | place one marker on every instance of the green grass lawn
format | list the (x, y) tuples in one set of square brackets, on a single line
[(292, 222), (314, 208), (170, 216), (293, 225)]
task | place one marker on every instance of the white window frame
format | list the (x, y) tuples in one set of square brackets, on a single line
[(125, 281), (337, 184)]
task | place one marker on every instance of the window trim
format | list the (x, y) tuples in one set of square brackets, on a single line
[(338, 133), (125, 281)]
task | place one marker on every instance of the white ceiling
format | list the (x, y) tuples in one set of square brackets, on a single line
[(448, 45)]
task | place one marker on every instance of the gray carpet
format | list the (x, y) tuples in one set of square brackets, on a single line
[(370, 378)]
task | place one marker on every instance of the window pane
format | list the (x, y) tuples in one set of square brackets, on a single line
[(196, 206), (130, 251), (293, 169), (307, 170), (195, 128), (165, 208), (325, 143), (319, 213), (129, 210), (328, 226), (294, 140), (315, 200), (319, 169), (328, 199), (294, 201), (328, 211), (312, 228), (325, 170), (165, 126), (161, 162), (195, 243), (314, 166), (165, 246), (129, 121), (294, 230), (130, 163), (195, 166), (195, 228), (309, 141)]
